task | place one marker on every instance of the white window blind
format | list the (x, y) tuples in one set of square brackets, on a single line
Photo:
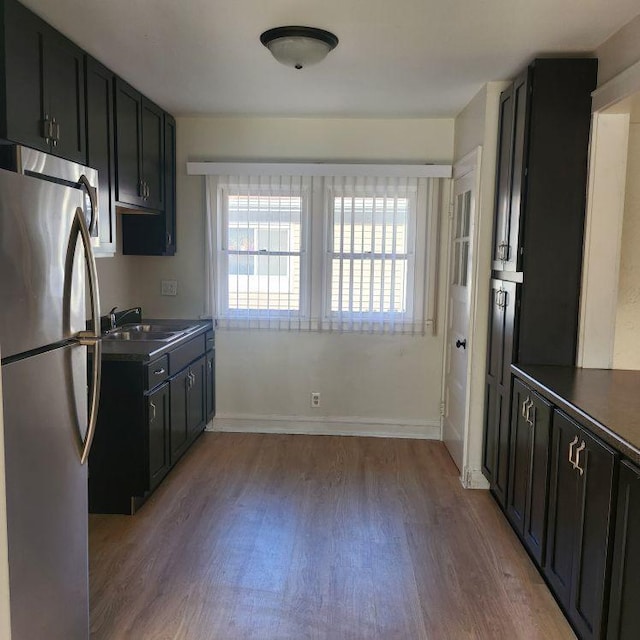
[(373, 240), (261, 251), (324, 253)]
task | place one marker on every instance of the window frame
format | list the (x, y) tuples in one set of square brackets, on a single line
[(372, 320), (245, 317)]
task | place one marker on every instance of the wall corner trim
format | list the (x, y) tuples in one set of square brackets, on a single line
[(619, 87)]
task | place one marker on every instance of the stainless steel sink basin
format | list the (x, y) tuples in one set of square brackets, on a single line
[(152, 328), (161, 336)]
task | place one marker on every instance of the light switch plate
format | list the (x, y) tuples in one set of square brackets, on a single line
[(169, 287)]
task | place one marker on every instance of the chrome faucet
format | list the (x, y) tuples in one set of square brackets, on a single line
[(124, 314)]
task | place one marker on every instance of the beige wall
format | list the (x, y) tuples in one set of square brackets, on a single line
[(626, 353), (266, 374), (477, 125), (619, 52)]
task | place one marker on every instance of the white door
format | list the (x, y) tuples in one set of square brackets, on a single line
[(459, 301)]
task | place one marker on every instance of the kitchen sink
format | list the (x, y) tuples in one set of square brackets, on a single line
[(161, 336), (153, 328)]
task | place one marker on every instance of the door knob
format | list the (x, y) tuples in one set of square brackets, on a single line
[(461, 343)]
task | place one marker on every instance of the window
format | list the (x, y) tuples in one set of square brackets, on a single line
[(329, 253), (261, 257), (372, 230)]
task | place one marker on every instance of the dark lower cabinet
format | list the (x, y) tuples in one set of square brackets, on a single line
[(498, 387), (579, 523), (529, 465), (624, 606), (210, 392), (158, 421), (150, 414), (187, 407)]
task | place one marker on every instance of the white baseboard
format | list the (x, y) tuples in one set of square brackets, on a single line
[(473, 479), (328, 426)]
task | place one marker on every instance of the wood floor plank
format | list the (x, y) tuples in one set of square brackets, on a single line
[(278, 537)]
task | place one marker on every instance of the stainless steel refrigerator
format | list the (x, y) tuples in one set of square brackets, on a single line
[(50, 400)]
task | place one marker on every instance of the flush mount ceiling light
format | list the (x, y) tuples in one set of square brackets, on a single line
[(298, 47)]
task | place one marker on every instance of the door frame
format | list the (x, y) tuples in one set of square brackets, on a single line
[(470, 163)]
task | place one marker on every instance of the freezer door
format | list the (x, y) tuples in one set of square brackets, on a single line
[(45, 413), (41, 265)]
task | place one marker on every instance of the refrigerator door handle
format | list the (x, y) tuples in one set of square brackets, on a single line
[(94, 202), (91, 338)]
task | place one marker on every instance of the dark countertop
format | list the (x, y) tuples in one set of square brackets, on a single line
[(605, 400), (147, 350)]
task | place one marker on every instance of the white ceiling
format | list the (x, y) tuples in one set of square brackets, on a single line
[(396, 58)]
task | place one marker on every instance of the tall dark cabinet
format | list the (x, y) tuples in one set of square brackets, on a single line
[(543, 142)]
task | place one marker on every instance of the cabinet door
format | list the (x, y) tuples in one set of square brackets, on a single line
[(196, 397), (518, 171), (211, 385), (497, 417), (582, 470), (159, 457), (153, 154), (128, 144), (179, 420), (520, 457), (596, 464), (624, 612), (64, 93), (535, 520), (503, 181), (563, 507), (169, 184), (101, 147)]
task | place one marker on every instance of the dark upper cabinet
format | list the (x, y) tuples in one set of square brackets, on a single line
[(502, 320), (101, 148), (579, 523), (540, 201), (155, 235), (43, 104), (624, 612), (129, 188), (528, 469), (139, 149)]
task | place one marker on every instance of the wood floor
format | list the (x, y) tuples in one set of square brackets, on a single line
[(277, 537)]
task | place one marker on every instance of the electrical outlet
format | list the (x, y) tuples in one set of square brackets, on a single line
[(169, 287), (315, 399)]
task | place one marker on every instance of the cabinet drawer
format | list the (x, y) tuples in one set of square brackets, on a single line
[(182, 356), (209, 341), (157, 372)]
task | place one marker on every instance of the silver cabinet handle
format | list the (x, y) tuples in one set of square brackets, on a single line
[(531, 417), (47, 131), (158, 372), (579, 450), (571, 445), (168, 239), (210, 365), (55, 132), (524, 407), (91, 338), (153, 412)]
